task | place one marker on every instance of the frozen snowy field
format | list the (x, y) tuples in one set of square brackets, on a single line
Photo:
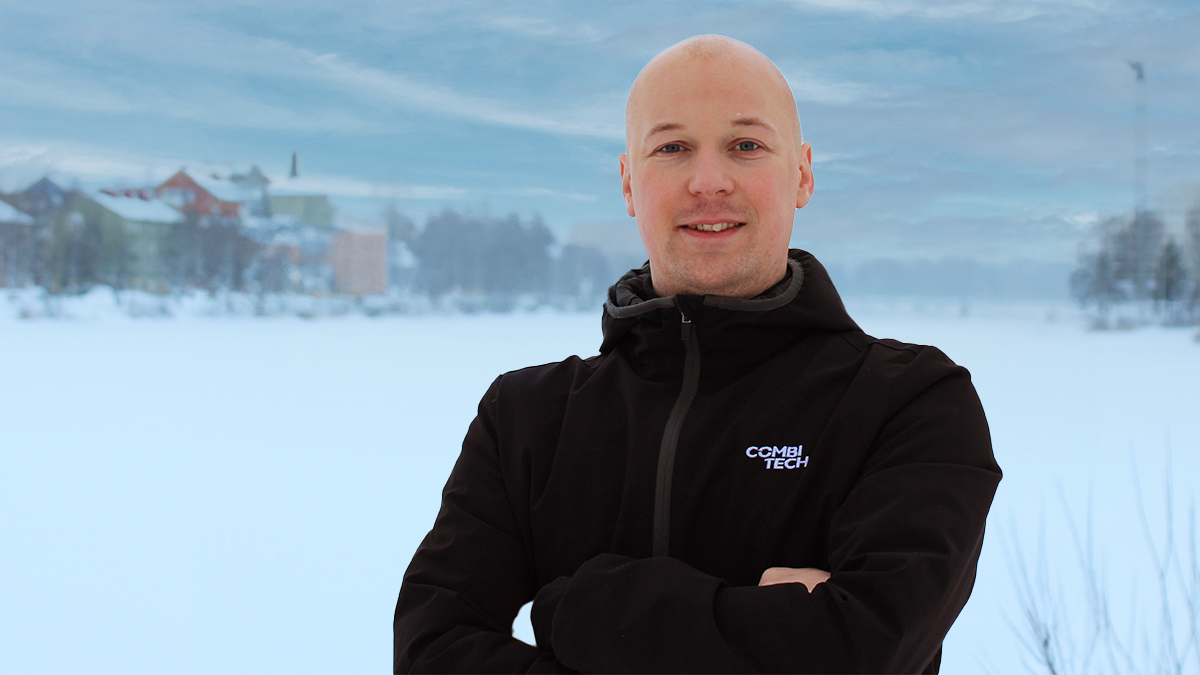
[(242, 495)]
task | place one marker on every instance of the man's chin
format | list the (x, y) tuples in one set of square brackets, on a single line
[(725, 282), (734, 275)]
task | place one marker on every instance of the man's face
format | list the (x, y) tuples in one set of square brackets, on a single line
[(714, 172)]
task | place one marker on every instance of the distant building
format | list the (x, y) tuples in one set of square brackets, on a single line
[(359, 261), (101, 238), (189, 195), (252, 192), (74, 241), (293, 256), (112, 237), (252, 188), (293, 231), (13, 216), (42, 198), (312, 210), (147, 224), (17, 246)]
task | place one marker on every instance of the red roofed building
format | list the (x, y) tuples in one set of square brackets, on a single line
[(184, 193)]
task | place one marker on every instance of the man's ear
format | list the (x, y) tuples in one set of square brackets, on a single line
[(626, 186), (804, 191)]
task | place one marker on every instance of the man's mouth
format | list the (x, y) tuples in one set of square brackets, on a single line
[(713, 227)]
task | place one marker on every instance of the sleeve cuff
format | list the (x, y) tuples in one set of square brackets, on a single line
[(541, 615)]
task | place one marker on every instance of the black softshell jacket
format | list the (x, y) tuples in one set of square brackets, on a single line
[(711, 439)]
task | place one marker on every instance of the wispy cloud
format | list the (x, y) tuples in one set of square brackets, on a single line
[(989, 10), (810, 88), (206, 48), (542, 28), (342, 186), (42, 84), (402, 90), (547, 192)]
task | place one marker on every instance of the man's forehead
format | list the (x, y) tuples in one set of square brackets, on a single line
[(734, 122), (683, 80)]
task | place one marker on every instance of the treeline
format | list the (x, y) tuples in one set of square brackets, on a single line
[(952, 279), (1133, 273), (498, 262)]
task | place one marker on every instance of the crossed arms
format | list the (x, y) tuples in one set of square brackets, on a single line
[(902, 554)]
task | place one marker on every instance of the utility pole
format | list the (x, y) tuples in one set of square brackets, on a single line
[(1139, 167), (1146, 229)]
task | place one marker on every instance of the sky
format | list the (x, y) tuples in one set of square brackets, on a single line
[(990, 130)]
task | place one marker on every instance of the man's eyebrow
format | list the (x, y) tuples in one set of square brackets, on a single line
[(737, 122), (663, 126), (752, 122)]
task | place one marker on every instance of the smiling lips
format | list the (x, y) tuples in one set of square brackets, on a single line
[(712, 227)]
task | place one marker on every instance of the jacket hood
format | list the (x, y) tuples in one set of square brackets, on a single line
[(804, 300)]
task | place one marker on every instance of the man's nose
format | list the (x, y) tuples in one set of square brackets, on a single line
[(710, 177)]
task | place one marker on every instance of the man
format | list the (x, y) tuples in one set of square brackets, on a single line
[(741, 480)]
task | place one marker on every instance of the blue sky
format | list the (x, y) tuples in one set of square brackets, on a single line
[(986, 129)]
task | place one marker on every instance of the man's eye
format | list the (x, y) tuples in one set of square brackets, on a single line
[(748, 146), (671, 148)]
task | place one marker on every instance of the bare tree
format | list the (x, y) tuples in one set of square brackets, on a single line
[(1046, 630), (1094, 283), (1170, 279), (1135, 251), (1192, 225)]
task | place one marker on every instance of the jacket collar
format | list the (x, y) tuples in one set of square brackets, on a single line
[(803, 300)]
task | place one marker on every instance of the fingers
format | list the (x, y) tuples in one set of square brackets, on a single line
[(811, 577)]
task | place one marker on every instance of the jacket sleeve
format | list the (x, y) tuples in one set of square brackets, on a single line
[(470, 575), (903, 550)]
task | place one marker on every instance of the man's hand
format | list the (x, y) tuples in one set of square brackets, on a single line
[(809, 576)]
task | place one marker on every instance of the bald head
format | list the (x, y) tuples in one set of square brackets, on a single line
[(709, 56), (714, 168)]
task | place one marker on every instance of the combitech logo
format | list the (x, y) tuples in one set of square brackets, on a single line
[(779, 456)]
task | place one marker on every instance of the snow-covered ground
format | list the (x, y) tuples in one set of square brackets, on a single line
[(242, 495)]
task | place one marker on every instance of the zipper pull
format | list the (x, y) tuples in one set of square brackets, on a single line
[(686, 328)]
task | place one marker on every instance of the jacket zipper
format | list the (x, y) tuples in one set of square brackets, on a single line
[(670, 440)]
